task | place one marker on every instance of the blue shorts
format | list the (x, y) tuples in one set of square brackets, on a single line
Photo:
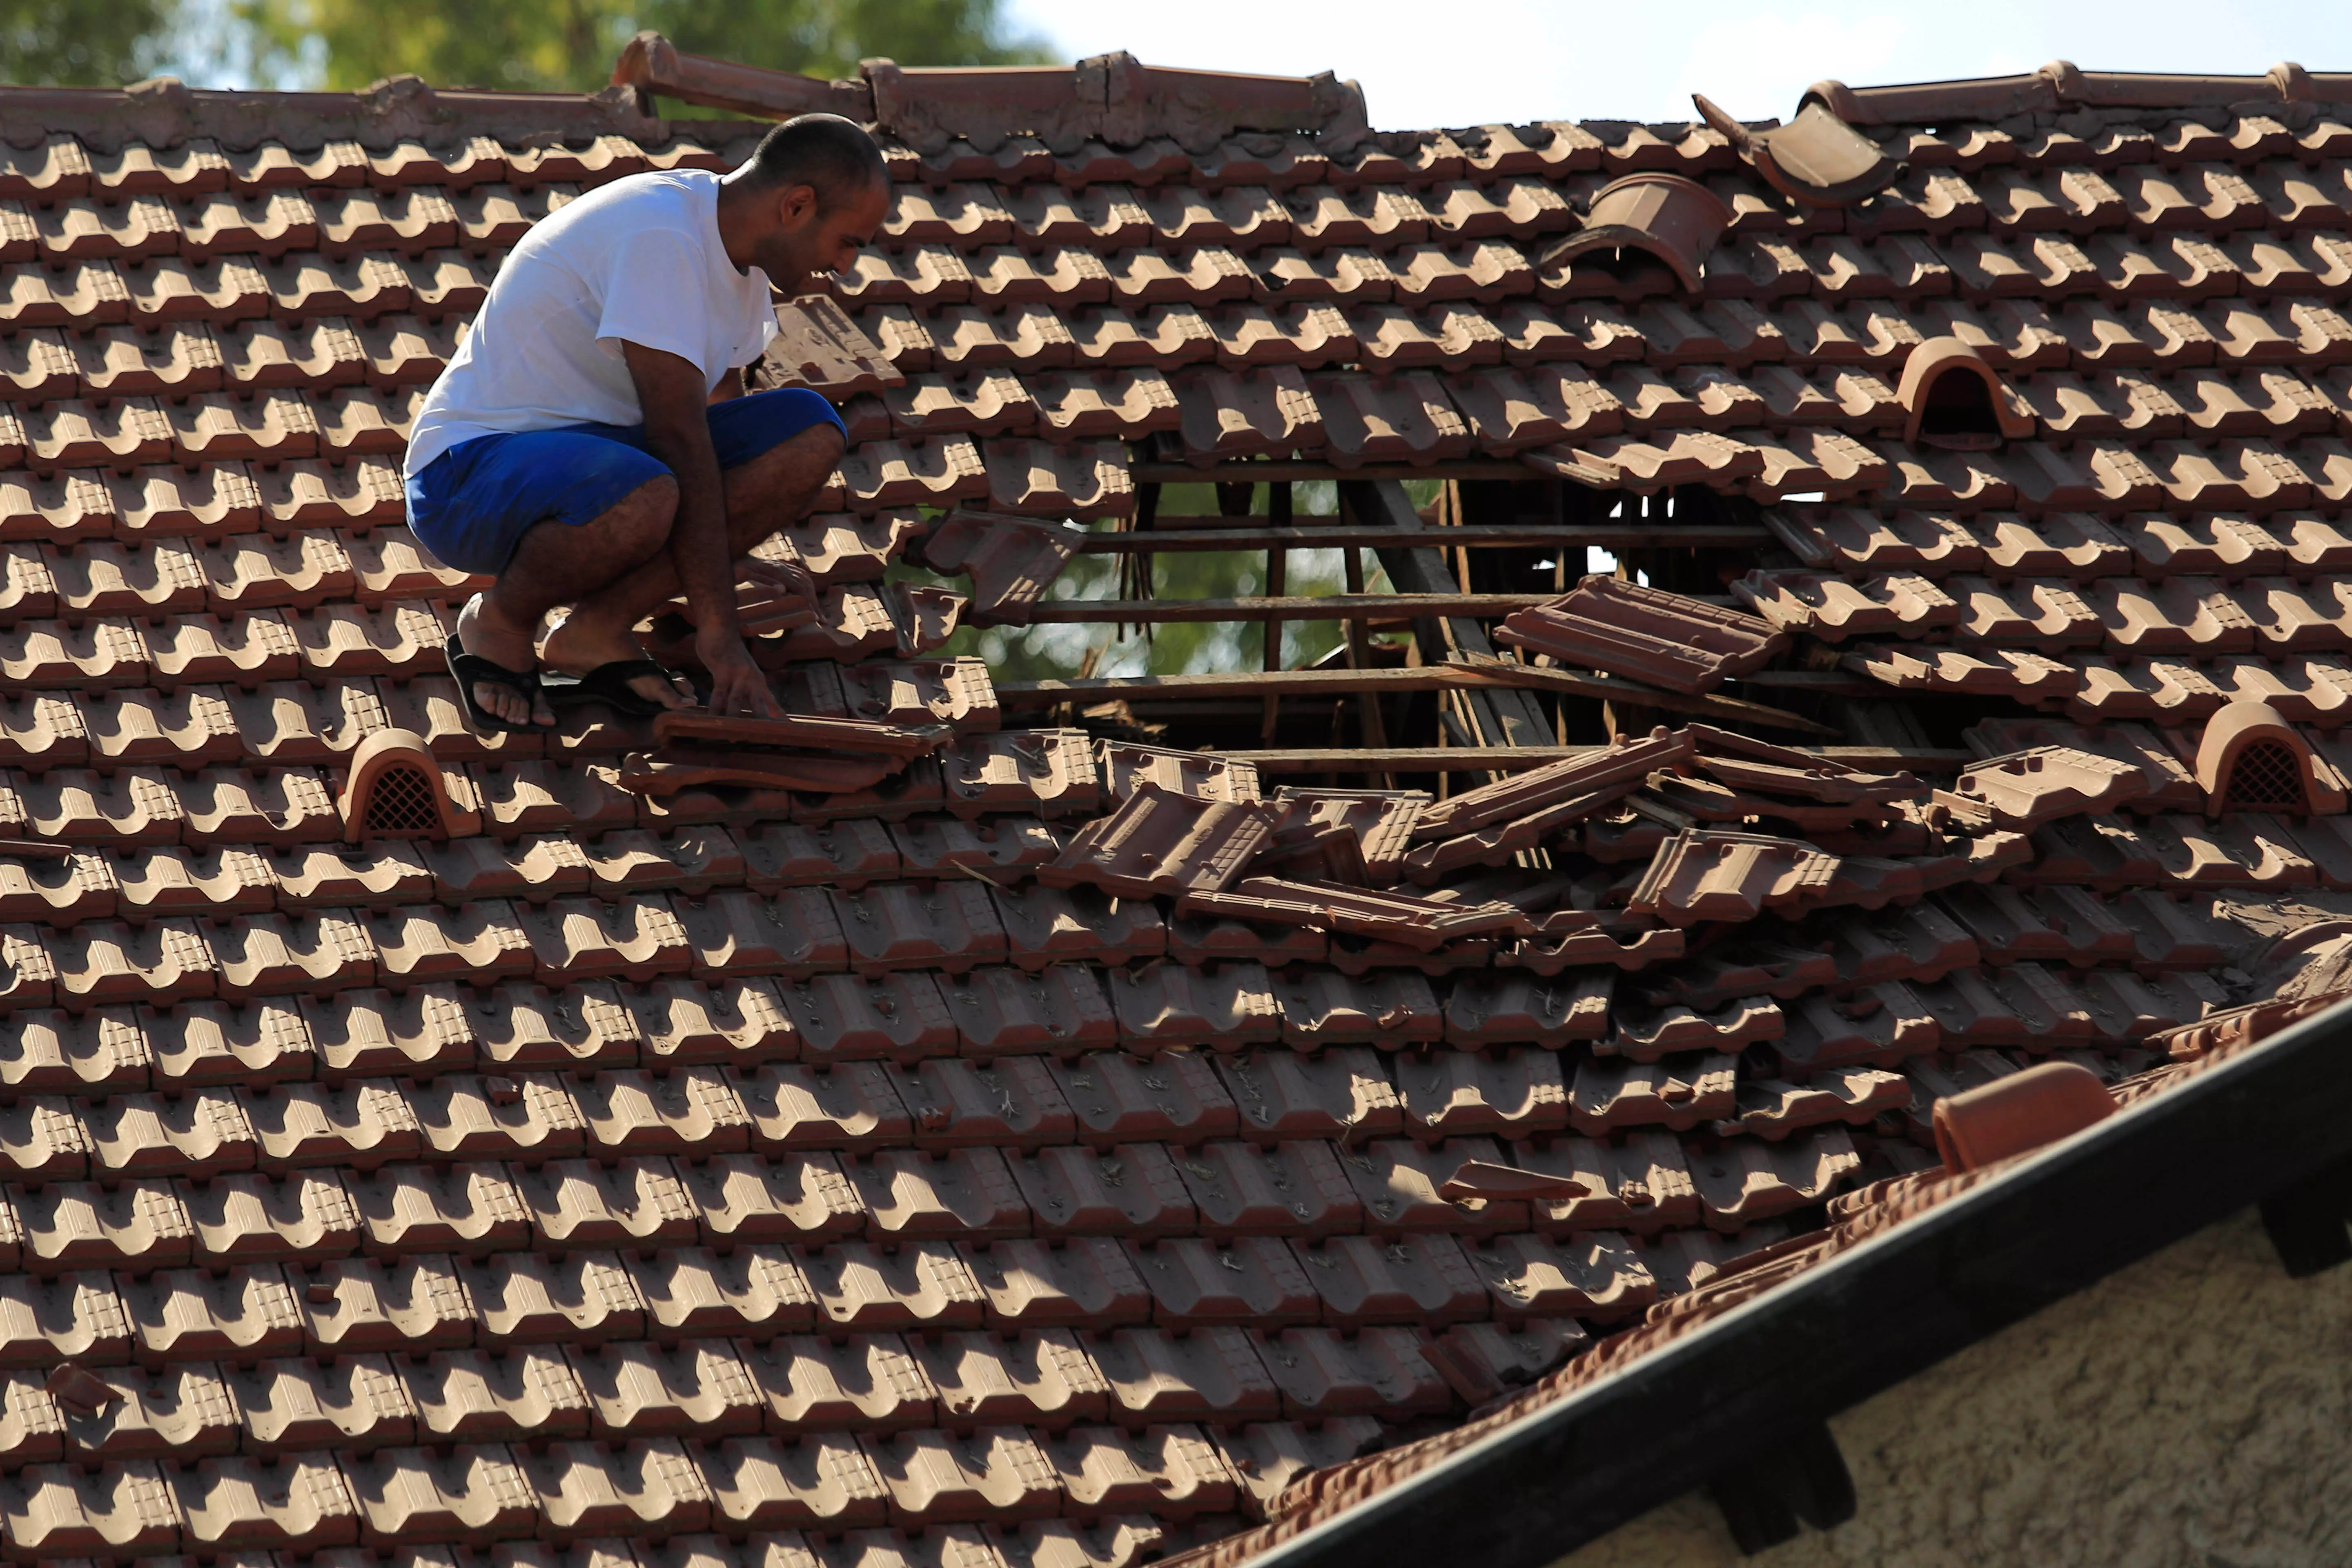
[(472, 504)]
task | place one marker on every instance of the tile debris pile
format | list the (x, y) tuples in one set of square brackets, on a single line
[(883, 1136)]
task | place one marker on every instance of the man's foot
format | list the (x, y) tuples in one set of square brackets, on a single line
[(576, 648), (483, 631)]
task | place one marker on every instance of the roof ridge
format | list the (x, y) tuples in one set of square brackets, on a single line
[(2061, 85), (165, 111), (1113, 98)]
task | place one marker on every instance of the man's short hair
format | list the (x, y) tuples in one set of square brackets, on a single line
[(832, 155)]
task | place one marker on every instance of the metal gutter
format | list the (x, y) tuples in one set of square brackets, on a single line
[(1728, 1392)]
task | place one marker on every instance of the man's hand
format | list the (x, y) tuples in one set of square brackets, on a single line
[(736, 684), (673, 395), (783, 576)]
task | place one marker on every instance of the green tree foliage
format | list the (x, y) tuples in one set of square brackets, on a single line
[(1040, 652), (83, 43), (546, 46), (828, 37), (570, 45)]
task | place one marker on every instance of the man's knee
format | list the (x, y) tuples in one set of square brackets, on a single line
[(817, 450), (788, 475), (640, 523)]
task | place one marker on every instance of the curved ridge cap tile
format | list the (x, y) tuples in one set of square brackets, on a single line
[(2061, 85), (649, 63), (199, 125), (2018, 1113), (1816, 159), (1112, 97), (1677, 220)]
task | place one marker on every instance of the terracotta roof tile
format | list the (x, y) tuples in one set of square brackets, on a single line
[(848, 1106), (58, 167), (840, 1018), (1406, 418), (1596, 1277), (978, 402), (82, 295), (55, 1508), (192, 1412), (362, 1033), (1010, 1104), (747, 1198), (81, 1224), (666, 1293), (579, 1299)]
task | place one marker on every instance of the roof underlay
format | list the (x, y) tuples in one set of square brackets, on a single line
[(1047, 1123)]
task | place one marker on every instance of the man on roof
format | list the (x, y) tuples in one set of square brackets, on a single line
[(592, 444)]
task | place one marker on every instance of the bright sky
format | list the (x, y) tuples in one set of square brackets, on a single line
[(1423, 63)]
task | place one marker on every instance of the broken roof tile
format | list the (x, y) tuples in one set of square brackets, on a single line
[(1162, 841), (1420, 924), (2160, 302), (1647, 634), (1704, 875)]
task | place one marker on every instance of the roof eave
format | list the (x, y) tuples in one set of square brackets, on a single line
[(1865, 1320)]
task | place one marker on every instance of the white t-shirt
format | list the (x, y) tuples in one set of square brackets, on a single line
[(638, 261)]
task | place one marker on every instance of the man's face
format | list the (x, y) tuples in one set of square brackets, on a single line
[(809, 239)]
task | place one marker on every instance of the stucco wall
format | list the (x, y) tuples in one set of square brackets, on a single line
[(2194, 1411)]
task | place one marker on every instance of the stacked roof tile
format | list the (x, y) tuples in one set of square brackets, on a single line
[(1042, 1149)]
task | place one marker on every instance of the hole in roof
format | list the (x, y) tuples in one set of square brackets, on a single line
[(1958, 413)]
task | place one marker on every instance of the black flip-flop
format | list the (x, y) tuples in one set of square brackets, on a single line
[(466, 669), (609, 684)]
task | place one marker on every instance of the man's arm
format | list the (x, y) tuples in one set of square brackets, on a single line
[(670, 393), (731, 385)]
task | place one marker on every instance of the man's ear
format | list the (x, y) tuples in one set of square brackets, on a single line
[(795, 206)]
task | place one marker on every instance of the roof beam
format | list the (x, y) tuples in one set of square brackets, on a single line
[(1504, 716), (1260, 471), (1170, 533), (1315, 607), (1484, 679), (1517, 759)]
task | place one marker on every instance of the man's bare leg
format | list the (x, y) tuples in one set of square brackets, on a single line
[(557, 564), (771, 491)]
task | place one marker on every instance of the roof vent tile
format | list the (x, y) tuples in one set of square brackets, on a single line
[(397, 790), (2252, 759), (1952, 397)]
